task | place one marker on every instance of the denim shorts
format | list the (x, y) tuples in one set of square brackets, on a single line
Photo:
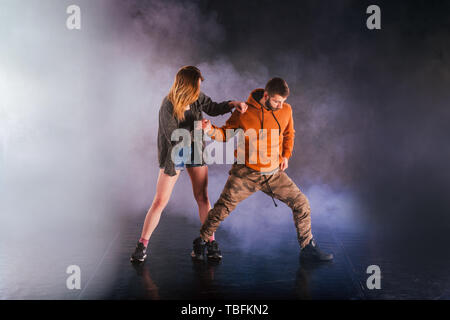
[(181, 161)]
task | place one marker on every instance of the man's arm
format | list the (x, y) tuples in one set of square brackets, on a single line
[(219, 133), (288, 138)]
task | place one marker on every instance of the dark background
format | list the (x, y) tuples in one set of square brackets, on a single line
[(395, 88), (385, 128), (78, 130)]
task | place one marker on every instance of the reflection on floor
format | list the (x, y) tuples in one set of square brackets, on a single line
[(256, 272), (253, 271)]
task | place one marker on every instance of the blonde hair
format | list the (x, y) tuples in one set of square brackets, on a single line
[(185, 89)]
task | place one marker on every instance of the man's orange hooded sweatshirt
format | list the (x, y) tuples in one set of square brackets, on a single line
[(269, 134)]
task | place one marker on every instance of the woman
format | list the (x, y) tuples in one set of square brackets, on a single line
[(183, 105)]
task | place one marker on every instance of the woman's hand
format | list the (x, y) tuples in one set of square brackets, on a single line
[(239, 106)]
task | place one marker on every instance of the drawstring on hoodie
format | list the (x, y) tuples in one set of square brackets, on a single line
[(262, 120), (271, 192), (279, 127), (279, 132)]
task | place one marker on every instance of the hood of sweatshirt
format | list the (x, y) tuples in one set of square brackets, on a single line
[(253, 102), (254, 97)]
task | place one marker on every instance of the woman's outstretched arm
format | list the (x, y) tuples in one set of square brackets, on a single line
[(212, 108)]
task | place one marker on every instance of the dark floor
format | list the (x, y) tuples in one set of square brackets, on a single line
[(252, 273), (257, 271)]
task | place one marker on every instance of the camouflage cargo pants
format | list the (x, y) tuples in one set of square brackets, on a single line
[(243, 182)]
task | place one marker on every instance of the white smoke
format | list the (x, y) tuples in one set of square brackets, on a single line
[(78, 120)]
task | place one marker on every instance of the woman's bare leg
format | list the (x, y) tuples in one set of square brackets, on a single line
[(164, 188), (199, 179)]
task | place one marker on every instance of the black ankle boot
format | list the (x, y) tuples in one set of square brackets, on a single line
[(213, 251), (198, 249), (313, 252), (139, 254)]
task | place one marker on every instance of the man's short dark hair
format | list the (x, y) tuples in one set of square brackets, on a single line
[(277, 86)]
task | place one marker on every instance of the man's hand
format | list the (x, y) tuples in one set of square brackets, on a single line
[(206, 125), (284, 164), (240, 106)]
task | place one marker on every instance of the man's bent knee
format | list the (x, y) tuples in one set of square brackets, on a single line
[(301, 207), (215, 216)]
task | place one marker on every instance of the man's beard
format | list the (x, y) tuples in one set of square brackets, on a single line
[(268, 105)]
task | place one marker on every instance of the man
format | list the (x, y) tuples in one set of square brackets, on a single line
[(263, 168)]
